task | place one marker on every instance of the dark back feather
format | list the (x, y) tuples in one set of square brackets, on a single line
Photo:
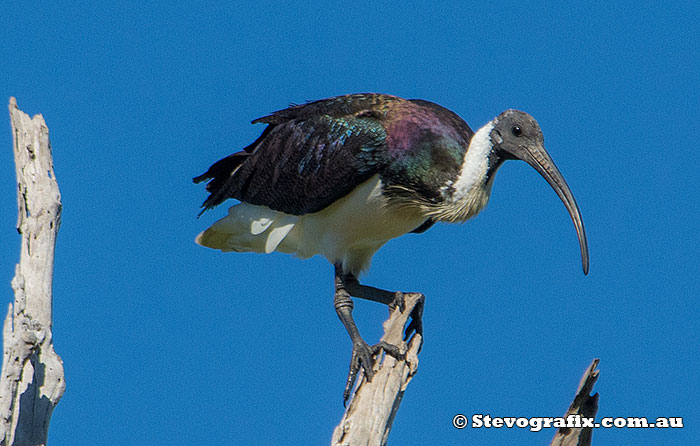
[(308, 157), (311, 155)]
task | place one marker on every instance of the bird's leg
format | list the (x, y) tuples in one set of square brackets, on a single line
[(391, 299), (361, 352)]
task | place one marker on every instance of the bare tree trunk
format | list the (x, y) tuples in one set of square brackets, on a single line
[(368, 418), (32, 379)]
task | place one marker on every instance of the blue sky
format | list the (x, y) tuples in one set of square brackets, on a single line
[(165, 342)]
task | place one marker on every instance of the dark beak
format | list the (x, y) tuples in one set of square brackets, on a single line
[(537, 157)]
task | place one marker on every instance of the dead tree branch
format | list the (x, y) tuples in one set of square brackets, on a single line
[(32, 379), (370, 415), (371, 412), (585, 405)]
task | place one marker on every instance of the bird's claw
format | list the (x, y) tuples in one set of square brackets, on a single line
[(398, 302), (416, 325), (363, 356)]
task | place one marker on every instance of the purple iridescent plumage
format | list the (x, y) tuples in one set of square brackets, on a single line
[(311, 155)]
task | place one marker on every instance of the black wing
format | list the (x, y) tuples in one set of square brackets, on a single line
[(308, 157)]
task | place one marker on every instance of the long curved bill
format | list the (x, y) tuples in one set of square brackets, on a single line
[(538, 158)]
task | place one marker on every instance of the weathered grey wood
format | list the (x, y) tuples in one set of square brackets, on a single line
[(370, 414), (32, 380), (369, 417), (584, 404)]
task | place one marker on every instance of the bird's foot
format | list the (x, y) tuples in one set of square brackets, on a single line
[(363, 356), (416, 324), (398, 302)]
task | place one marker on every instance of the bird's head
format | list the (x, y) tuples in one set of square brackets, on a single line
[(516, 135)]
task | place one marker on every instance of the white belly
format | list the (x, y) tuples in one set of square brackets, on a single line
[(349, 231)]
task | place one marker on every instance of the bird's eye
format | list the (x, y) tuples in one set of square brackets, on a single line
[(516, 130)]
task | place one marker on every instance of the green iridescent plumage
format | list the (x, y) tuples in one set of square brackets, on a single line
[(313, 154)]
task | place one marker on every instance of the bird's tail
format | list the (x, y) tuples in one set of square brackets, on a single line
[(248, 228)]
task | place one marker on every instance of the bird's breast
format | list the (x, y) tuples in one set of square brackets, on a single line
[(353, 228)]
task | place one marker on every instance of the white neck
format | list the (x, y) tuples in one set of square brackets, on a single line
[(475, 164)]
